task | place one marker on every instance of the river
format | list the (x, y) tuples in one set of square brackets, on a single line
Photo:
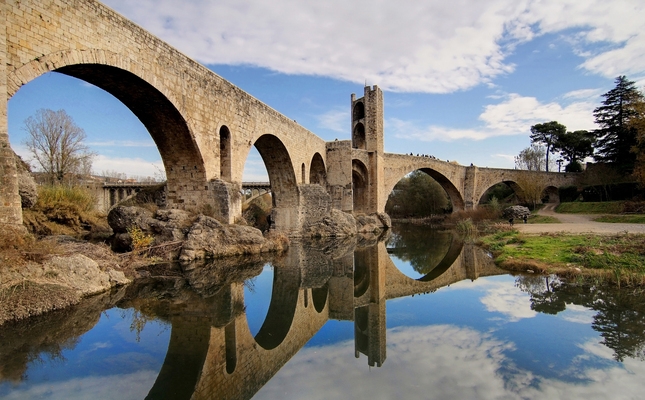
[(419, 314)]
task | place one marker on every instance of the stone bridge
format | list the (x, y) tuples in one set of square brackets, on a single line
[(204, 126), (109, 194)]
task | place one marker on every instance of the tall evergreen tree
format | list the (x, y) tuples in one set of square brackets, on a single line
[(547, 134), (574, 147), (616, 135)]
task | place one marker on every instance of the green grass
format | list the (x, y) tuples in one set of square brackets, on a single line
[(618, 254), (543, 219), (605, 207), (622, 219)]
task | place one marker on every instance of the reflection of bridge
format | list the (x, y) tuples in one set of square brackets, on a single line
[(218, 357), (204, 127)]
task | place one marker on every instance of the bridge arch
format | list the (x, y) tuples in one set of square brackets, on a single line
[(225, 153), (455, 196), (282, 177), (156, 109), (317, 171), (358, 137), (517, 189), (360, 186)]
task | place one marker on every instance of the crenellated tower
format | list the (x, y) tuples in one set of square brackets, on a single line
[(367, 151)]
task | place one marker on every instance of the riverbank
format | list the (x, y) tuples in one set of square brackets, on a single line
[(578, 247)]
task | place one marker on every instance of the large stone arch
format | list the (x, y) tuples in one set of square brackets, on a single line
[(512, 184), (551, 194), (282, 177), (360, 186), (317, 171), (157, 111), (455, 196)]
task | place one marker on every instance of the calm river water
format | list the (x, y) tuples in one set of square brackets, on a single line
[(417, 315)]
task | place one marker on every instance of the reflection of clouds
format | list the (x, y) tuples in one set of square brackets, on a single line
[(445, 362), (506, 299), (132, 386), (430, 362), (578, 314), (614, 381)]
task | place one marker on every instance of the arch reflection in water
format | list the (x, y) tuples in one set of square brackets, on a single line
[(212, 352)]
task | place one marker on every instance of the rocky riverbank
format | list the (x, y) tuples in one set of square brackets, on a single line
[(55, 272)]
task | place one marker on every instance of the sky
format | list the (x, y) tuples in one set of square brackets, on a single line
[(462, 80)]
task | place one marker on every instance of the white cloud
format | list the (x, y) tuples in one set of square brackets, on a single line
[(508, 157), (122, 143), (430, 46), (513, 116), (133, 167), (335, 120)]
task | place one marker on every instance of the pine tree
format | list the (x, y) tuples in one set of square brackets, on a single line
[(547, 134), (616, 136)]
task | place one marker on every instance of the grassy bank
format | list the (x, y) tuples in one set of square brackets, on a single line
[(617, 259), (605, 207)]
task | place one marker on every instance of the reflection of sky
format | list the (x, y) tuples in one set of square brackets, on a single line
[(470, 340), (405, 267), (477, 340), (257, 297), (105, 358)]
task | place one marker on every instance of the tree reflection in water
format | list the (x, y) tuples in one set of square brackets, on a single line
[(620, 313), (423, 248)]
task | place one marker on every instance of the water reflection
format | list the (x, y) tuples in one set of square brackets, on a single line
[(619, 314), (479, 338)]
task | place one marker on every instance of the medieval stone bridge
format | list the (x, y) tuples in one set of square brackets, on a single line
[(204, 126)]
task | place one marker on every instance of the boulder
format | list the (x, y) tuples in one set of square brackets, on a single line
[(78, 272), (336, 224), (121, 218), (27, 187), (209, 238), (373, 223), (171, 225)]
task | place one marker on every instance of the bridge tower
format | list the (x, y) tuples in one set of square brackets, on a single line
[(367, 151)]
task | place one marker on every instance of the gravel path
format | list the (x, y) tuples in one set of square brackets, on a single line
[(577, 223)]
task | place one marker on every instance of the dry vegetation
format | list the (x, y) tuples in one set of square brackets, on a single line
[(65, 210)]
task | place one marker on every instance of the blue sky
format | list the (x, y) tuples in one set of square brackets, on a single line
[(462, 80)]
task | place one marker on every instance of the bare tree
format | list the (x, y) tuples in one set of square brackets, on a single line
[(531, 158), (56, 143), (532, 186)]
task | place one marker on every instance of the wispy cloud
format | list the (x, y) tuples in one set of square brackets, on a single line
[(133, 167), (335, 120), (513, 116), (432, 46), (122, 143)]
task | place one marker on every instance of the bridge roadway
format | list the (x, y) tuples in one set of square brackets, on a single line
[(213, 354), (204, 126)]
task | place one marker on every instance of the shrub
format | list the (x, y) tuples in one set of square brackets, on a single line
[(140, 240)]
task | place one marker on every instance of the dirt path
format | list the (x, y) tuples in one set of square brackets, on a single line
[(577, 223)]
